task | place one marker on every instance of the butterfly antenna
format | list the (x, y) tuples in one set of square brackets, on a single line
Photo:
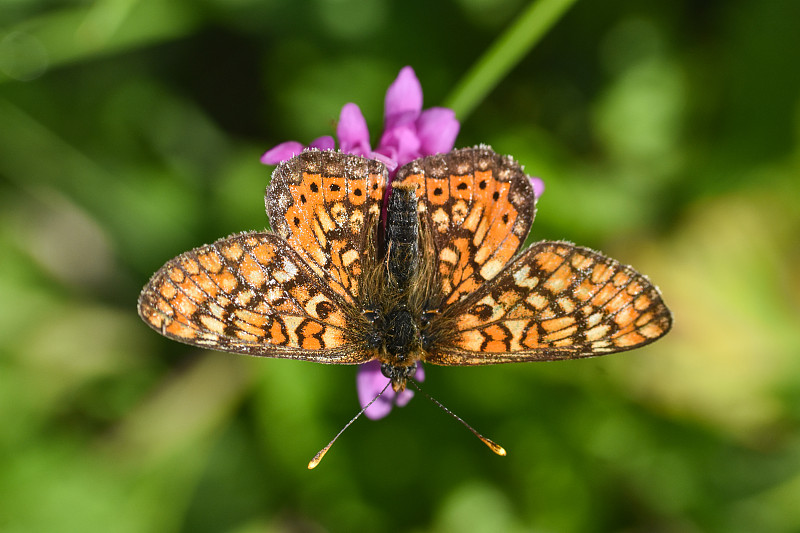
[(496, 448), (317, 458)]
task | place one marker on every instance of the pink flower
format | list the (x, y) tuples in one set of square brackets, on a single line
[(409, 132)]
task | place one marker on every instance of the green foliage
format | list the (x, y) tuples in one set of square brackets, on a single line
[(666, 134)]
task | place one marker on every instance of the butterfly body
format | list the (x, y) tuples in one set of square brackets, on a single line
[(445, 283), (400, 304)]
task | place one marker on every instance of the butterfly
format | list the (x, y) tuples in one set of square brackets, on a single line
[(440, 279)]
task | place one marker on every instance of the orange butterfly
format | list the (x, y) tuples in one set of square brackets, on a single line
[(443, 284)]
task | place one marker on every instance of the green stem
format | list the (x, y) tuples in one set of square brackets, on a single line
[(504, 54)]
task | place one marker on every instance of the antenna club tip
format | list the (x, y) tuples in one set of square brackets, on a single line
[(316, 460), (496, 448)]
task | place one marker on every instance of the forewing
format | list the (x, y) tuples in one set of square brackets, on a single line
[(327, 206), (479, 207), (251, 294), (555, 301)]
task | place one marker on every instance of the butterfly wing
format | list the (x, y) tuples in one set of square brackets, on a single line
[(555, 301), (479, 207), (327, 206), (252, 294)]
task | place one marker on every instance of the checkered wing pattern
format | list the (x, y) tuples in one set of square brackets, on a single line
[(555, 301), (327, 206), (252, 294), (479, 207)]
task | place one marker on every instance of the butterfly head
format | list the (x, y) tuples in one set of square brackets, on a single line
[(398, 375)]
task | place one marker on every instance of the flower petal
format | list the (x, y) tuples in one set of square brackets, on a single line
[(403, 101), (381, 407), (352, 131), (437, 129), (323, 143), (282, 152), (538, 186), (369, 382), (403, 398), (391, 164), (401, 144), (419, 375)]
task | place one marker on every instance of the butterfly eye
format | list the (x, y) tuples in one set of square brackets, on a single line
[(401, 373)]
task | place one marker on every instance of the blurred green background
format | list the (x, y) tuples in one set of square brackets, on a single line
[(667, 136)]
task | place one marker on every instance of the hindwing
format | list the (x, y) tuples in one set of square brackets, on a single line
[(555, 301)]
